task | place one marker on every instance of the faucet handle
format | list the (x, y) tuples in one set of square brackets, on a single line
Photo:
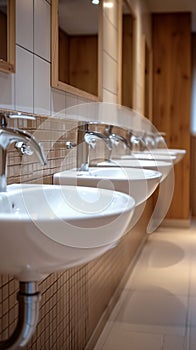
[(3, 120), (19, 115), (70, 145), (22, 148)]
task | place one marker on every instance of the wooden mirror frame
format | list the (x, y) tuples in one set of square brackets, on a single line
[(55, 82), (120, 53), (147, 71), (8, 66)]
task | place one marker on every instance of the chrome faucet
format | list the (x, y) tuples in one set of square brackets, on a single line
[(137, 141), (90, 138), (86, 142), (145, 141), (116, 138), (10, 135)]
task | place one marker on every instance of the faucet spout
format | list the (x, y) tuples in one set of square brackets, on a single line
[(8, 136), (91, 136), (115, 138)]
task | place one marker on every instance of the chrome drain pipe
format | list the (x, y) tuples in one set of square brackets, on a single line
[(28, 311)]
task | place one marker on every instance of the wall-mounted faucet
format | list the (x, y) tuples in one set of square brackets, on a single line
[(142, 141), (10, 135), (91, 138), (117, 138), (137, 141), (86, 142)]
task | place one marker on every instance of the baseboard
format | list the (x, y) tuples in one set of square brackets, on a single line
[(105, 316), (176, 223)]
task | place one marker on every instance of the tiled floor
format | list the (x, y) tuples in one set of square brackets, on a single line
[(157, 309)]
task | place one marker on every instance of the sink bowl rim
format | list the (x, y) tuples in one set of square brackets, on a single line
[(25, 217), (148, 173)]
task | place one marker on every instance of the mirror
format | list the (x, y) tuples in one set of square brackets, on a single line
[(76, 43), (7, 36), (126, 59)]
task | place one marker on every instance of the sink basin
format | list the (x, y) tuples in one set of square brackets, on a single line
[(156, 165), (151, 156), (178, 153), (47, 228), (139, 183)]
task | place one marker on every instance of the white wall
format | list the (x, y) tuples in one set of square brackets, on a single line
[(29, 90)]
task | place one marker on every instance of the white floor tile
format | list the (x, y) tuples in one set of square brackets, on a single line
[(193, 281), (174, 343), (192, 312), (168, 279), (154, 312), (126, 340), (192, 339), (157, 309)]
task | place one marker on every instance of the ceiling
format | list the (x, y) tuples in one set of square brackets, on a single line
[(174, 6), (78, 17), (86, 13)]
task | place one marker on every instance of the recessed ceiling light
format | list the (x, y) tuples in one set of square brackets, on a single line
[(95, 2)]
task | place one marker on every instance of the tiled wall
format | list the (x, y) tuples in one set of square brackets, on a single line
[(25, 90), (53, 134), (72, 301)]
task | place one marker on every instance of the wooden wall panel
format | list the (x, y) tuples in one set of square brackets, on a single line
[(171, 97), (78, 61), (83, 72), (63, 57)]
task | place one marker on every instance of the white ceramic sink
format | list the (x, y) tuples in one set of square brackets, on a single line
[(151, 156), (178, 153), (156, 165), (139, 183), (47, 228)]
